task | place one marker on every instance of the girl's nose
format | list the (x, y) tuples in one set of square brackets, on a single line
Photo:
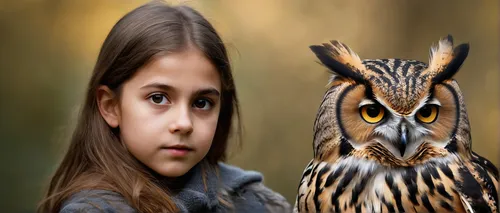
[(182, 123)]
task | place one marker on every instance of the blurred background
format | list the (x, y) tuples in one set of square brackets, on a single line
[(48, 49)]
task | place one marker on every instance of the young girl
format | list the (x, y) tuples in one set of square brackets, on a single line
[(154, 127)]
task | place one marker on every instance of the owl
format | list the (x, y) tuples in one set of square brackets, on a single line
[(392, 135)]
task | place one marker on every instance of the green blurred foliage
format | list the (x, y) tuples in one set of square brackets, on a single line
[(48, 49)]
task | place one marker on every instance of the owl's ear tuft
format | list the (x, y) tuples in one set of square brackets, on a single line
[(340, 60), (445, 60)]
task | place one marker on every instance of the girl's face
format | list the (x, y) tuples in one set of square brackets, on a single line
[(168, 112)]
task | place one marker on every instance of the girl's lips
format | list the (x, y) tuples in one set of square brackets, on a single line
[(178, 150), (178, 146)]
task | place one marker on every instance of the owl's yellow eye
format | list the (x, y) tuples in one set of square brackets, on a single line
[(428, 113), (372, 113)]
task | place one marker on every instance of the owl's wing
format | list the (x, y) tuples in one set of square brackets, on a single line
[(485, 163), (479, 186), (301, 199), (466, 204)]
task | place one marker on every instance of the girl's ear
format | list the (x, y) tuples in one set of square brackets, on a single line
[(108, 106)]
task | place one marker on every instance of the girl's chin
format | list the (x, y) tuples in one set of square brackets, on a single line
[(173, 170)]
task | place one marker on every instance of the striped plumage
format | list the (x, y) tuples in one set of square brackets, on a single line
[(393, 135)]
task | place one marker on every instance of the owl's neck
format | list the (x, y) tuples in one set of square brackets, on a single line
[(377, 153), (370, 167)]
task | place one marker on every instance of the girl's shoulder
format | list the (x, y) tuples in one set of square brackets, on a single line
[(248, 192), (94, 201)]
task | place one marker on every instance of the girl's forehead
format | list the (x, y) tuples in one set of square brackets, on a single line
[(187, 68)]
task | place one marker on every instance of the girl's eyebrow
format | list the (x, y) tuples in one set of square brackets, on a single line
[(161, 86), (209, 91)]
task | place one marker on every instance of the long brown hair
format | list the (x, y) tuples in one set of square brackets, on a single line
[(95, 158)]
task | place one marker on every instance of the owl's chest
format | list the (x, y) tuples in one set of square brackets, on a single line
[(369, 188), (402, 192)]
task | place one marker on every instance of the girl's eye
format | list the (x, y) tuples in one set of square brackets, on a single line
[(159, 99), (202, 104)]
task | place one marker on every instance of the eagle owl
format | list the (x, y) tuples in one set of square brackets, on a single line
[(392, 135)]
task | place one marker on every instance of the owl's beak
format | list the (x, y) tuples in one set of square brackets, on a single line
[(404, 140)]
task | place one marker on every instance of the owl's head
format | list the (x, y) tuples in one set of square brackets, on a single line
[(397, 112)]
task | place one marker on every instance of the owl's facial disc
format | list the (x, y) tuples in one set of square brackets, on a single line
[(399, 134), (367, 120)]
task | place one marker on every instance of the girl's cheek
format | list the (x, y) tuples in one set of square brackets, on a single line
[(207, 126)]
